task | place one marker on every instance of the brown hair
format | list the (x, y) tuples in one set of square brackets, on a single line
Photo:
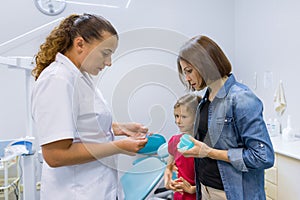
[(206, 57), (191, 102), (88, 26)]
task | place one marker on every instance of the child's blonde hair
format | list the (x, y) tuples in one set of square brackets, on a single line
[(190, 100)]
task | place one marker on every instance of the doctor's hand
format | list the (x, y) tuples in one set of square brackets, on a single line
[(200, 149), (130, 145), (129, 129)]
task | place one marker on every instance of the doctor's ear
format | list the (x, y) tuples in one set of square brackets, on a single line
[(78, 43)]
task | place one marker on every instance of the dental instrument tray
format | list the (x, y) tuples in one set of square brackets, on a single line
[(9, 172), (154, 142)]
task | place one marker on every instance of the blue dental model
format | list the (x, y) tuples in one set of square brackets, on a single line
[(154, 142), (185, 143)]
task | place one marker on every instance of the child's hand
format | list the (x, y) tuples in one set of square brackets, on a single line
[(183, 185), (168, 175)]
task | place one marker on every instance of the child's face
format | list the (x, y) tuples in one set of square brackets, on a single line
[(184, 119)]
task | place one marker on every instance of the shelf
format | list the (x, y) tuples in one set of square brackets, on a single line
[(9, 183)]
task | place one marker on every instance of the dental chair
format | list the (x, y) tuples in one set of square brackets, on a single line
[(146, 175)]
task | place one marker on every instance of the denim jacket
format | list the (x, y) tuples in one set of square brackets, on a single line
[(236, 124)]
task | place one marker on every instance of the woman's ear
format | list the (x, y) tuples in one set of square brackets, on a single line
[(78, 44)]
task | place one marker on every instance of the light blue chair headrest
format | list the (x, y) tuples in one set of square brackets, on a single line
[(162, 151), (139, 181)]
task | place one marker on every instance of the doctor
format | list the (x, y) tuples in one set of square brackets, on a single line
[(72, 119)]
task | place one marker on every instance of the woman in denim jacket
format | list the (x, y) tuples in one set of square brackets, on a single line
[(232, 145)]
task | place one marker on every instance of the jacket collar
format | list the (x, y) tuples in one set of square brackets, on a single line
[(225, 88)]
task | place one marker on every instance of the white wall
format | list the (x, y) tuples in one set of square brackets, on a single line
[(142, 85), (267, 39), (258, 36)]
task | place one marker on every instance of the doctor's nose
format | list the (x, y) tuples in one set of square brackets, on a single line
[(108, 62)]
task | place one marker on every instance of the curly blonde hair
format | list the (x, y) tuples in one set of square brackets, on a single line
[(61, 38)]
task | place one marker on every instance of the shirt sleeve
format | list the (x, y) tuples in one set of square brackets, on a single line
[(257, 150), (52, 110), (172, 146)]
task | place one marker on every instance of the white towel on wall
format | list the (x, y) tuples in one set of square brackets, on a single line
[(279, 99)]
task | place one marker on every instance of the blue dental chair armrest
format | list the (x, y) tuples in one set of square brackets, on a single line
[(143, 178)]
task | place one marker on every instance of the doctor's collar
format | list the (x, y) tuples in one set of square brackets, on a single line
[(70, 65)]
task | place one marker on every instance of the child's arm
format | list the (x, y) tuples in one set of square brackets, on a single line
[(169, 173)]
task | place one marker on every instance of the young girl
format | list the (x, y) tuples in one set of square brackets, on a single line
[(184, 184)]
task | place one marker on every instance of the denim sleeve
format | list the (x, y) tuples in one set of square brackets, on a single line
[(236, 159), (256, 151)]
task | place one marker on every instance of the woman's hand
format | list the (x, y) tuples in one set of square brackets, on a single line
[(200, 149), (130, 145), (129, 129)]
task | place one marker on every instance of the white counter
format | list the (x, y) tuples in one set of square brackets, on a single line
[(282, 180), (287, 148)]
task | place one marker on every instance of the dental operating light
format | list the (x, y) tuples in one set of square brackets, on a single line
[(56, 7), (50, 7)]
